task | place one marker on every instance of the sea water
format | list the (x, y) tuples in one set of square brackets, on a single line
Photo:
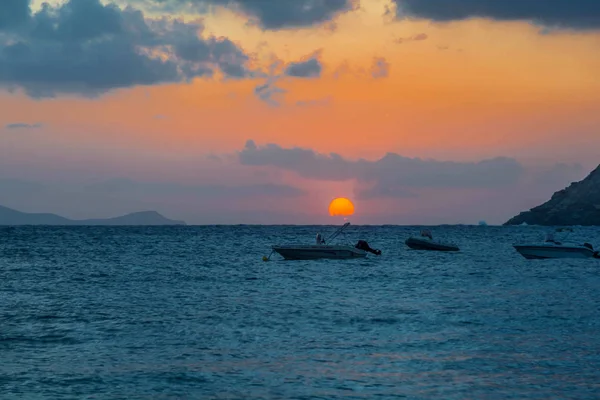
[(194, 313)]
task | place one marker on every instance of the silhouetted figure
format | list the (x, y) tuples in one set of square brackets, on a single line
[(320, 239)]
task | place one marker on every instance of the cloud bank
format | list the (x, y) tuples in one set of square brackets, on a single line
[(570, 14), (272, 14), (86, 47), (391, 176)]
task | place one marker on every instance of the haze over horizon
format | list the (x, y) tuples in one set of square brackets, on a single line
[(249, 111)]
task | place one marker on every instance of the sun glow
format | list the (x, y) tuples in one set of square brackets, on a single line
[(341, 206)]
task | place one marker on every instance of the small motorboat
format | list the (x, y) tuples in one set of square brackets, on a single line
[(555, 249), (426, 242), (321, 250), (314, 252)]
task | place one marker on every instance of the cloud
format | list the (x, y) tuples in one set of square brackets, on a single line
[(366, 191), (269, 92), (13, 13), (22, 125), (558, 175), (571, 14), (86, 47), (380, 68), (310, 68), (274, 14), (393, 175), (415, 38)]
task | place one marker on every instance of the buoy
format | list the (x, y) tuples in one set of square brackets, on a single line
[(265, 258)]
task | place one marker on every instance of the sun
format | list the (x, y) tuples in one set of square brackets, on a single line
[(341, 206)]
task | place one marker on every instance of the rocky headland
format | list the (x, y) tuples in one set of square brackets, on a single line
[(578, 204)]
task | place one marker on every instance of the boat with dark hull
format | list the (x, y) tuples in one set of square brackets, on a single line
[(321, 250), (553, 250), (315, 252), (426, 242)]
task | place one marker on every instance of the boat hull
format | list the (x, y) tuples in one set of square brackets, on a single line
[(423, 244), (541, 252), (315, 252)]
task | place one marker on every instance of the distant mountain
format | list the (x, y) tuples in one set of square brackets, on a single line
[(579, 204), (9, 216)]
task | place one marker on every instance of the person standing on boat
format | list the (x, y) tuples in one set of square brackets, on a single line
[(320, 239)]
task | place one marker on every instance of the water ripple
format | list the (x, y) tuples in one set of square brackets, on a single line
[(193, 312)]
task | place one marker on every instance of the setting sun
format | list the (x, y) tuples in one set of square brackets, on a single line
[(341, 206)]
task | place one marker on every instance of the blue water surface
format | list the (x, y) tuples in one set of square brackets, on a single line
[(194, 313)]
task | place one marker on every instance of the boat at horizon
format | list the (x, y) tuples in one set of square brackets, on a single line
[(552, 248), (322, 250), (426, 242)]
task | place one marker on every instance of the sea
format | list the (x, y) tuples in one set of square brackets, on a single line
[(193, 312)]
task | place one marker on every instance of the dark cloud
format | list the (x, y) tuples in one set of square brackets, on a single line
[(85, 47), (392, 175), (310, 68), (13, 13), (274, 14), (22, 125), (380, 68), (572, 14)]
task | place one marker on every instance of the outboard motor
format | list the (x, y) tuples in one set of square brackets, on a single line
[(363, 245), (589, 246)]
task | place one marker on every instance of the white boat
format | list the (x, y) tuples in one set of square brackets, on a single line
[(426, 242), (321, 250), (554, 249)]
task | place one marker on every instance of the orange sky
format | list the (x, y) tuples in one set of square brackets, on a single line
[(471, 90)]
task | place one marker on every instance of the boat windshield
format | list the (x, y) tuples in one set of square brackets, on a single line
[(550, 238)]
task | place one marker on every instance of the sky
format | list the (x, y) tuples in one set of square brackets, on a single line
[(263, 111)]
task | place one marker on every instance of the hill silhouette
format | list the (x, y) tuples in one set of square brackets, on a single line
[(8, 216)]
